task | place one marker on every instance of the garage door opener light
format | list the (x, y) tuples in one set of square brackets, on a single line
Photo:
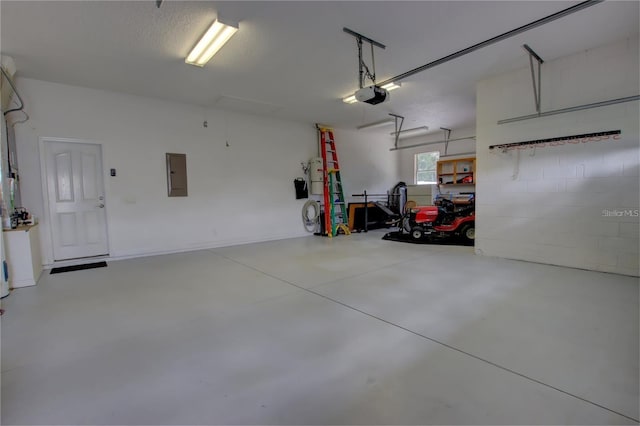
[(351, 99)]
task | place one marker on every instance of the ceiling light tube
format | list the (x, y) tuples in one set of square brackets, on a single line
[(350, 99), (215, 37), (411, 132), (375, 124), (391, 86)]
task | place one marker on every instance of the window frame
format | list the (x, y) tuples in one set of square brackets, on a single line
[(416, 171)]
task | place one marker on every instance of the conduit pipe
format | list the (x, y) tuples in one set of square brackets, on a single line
[(504, 36), (430, 143)]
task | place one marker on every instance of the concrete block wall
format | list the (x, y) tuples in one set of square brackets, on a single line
[(575, 204)]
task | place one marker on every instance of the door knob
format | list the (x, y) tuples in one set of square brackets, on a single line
[(101, 205)]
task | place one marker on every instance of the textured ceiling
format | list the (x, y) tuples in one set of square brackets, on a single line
[(292, 59)]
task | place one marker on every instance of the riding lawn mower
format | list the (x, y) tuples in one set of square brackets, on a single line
[(446, 220)]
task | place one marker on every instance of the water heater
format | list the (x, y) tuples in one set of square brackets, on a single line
[(316, 174)]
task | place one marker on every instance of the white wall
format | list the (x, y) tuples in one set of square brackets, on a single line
[(237, 194), (546, 205), (422, 195), (366, 162), (4, 285)]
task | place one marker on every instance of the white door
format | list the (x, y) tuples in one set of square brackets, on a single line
[(76, 199)]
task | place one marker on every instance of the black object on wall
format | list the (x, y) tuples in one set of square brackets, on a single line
[(301, 188)]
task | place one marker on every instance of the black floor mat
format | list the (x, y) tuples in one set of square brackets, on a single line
[(78, 267), (403, 237)]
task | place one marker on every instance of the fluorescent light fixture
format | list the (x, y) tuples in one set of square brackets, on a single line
[(375, 124), (215, 37), (388, 87), (350, 99), (408, 133), (391, 86)]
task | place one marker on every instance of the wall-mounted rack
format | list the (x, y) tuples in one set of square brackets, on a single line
[(575, 139)]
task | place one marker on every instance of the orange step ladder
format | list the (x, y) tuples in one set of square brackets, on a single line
[(335, 210)]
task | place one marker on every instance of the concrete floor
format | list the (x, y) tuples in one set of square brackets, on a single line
[(353, 330)]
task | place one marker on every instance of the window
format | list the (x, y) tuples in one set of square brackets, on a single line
[(425, 167)]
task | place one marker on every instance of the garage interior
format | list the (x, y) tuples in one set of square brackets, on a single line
[(217, 304)]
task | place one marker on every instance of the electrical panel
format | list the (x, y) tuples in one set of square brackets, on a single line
[(177, 175)]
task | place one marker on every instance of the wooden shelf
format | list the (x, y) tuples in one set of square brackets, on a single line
[(457, 169)]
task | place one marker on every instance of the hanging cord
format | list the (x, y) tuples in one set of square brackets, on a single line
[(9, 174), (24, 120), (310, 223), (15, 92)]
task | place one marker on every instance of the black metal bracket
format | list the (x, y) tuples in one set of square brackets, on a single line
[(447, 136), (536, 87), (398, 127), (562, 138), (363, 69), (365, 38)]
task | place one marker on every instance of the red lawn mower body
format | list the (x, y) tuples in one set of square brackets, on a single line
[(445, 220)]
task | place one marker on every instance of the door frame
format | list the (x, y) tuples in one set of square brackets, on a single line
[(47, 231)]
